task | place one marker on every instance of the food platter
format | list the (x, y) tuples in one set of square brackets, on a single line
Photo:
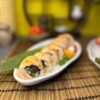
[(56, 69)]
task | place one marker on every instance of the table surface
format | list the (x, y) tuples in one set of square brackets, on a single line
[(80, 81)]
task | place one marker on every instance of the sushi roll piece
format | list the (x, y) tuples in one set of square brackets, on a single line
[(22, 74), (53, 54), (45, 60), (59, 42), (67, 37), (58, 49), (32, 66), (64, 40)]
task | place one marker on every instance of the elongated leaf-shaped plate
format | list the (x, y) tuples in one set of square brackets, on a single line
[(56, 69)]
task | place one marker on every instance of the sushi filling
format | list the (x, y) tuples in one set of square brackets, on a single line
[(58, 52), (33, 70), (43, 63), (51, 54)]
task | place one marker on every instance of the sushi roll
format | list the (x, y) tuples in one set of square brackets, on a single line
[(59, 42), (64, 40), (22, 74), (53, 54), (41, 63), (32, 66), (68, 38), (45, 60), (58, 49)]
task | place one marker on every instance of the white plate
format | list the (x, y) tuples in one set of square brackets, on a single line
[(56, 69), (93, 51)]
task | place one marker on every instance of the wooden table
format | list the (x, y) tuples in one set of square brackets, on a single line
[(81, 81)]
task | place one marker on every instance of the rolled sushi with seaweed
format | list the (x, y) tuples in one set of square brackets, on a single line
[(52, 53), (32, 66), (46, 61)]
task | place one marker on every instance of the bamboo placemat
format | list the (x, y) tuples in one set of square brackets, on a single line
[(80, 81)]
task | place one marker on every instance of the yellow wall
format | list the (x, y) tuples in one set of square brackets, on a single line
[(21, 23), (56, 8), (92, 25)]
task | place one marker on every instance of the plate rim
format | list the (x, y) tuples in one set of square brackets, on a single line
[(50, 75), (89, 54)]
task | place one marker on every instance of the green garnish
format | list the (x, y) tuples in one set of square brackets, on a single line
[(33, 74), (15, 61), (63, 60), (32, 70), (97, 60), (36, 74)]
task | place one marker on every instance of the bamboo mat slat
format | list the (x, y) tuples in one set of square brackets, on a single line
[(80, 81)]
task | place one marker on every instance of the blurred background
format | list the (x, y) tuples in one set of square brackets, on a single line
[(38, 19)]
